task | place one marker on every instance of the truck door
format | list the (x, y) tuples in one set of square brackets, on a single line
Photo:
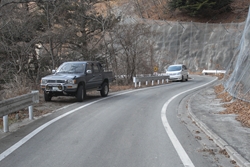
[(89, 76), (98, 74), (93, 79)]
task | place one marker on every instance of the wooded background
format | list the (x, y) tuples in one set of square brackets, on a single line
[(36, 36)]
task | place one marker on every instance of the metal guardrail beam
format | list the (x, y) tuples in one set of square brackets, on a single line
[(17, 103), (213, 72)]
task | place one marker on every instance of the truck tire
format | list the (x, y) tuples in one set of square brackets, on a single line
[(47, 96), (81, 93), (105, 89)]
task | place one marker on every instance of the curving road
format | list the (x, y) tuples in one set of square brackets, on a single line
[(136, 128)]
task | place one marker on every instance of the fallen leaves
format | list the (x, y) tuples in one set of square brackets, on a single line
[(238, 107)]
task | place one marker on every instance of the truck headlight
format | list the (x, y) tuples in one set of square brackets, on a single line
[(44, 81), (70, 81)]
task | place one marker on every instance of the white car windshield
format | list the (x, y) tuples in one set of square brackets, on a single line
[(174, 68), (71, 68)]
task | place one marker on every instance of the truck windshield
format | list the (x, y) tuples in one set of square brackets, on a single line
[(71, 68), (174, 68)]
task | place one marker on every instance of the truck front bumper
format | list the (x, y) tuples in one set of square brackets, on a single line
[(53, 88)]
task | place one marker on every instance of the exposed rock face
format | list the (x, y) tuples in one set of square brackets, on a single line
[(204, 46), (198, 45), (238, 71)]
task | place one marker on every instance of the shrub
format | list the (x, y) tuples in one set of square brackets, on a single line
[(201, 7)]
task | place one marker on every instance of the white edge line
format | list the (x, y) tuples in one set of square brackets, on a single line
[(178, 147), (39, 129)]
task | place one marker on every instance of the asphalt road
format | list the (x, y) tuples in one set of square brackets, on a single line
[(135, 128)]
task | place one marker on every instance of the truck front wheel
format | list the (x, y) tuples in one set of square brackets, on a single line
[(80, 94), (47, 96), (105, 89)]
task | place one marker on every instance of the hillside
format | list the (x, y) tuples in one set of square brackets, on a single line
[(238, 13)]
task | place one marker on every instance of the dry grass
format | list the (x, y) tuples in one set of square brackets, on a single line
[(115, 88), (19, 85)]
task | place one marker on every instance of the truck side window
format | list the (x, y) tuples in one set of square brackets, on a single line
[(89, 67), (96, 68), (79, 68), (100, 67)]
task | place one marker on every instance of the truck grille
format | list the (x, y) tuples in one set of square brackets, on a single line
[(56, 81)]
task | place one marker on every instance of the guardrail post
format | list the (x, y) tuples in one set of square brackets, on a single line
[(158, 82), (5, 123), (139, 84), (30, 112), (31, 107), (146, 83), (167, 80), (135, 81), (152, 82), (162, 81)]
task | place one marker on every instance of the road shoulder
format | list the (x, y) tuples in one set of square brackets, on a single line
[(226, 132)]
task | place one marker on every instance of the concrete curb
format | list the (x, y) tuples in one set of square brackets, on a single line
[(234, 155)]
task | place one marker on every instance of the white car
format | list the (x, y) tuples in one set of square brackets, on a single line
[(177, 72)]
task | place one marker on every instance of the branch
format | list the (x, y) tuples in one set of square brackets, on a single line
[(2, 4)]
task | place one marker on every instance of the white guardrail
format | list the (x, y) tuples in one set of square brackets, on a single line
[(17, 103), (139, 80), (204, 72)]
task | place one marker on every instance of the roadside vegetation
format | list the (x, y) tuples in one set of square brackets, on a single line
[(205, 8), (37, 36)]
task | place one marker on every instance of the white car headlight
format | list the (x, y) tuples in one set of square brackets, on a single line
[(44, 81)]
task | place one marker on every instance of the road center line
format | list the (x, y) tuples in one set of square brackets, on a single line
[(177, 145)]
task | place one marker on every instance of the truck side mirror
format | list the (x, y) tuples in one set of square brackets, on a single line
[(89, 71)]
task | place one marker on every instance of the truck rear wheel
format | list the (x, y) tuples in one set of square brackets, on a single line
[(81, 93), (105, 89), (47, 96)]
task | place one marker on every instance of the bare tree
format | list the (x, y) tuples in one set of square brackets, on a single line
[(63, 30), (17, 41), (130, 50)]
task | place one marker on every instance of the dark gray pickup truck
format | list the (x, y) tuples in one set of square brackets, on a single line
[(75, 78)]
